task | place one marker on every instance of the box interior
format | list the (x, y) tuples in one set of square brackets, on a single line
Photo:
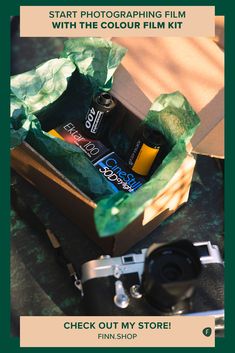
[(70, 107)]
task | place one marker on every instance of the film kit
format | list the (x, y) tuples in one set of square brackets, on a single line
[(124, 168), (125, 176)]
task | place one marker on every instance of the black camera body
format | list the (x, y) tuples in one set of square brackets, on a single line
[(166, 279)]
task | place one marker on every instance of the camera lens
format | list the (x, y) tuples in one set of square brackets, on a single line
[(170, 275), (171, 272), (171, 264)]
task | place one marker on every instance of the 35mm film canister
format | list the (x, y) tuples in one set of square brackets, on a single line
[(96, 119), (145, 150)]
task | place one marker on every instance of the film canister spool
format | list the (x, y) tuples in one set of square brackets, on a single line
[(95, 122), (146, 150)]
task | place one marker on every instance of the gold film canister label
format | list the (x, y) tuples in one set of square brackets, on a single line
[(145, 159)]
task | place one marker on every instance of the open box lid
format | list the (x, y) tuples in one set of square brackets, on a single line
[(194, 66)]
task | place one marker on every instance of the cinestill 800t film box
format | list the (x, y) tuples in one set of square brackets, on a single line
[(136, 83)]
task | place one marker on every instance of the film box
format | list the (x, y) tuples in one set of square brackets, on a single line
[(69, 132), (118, 174), (108, 164), (135, 85)]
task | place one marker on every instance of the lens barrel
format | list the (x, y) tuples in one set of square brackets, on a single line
[(170, 275)]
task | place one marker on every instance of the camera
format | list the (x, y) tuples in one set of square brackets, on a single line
[(166, 279)]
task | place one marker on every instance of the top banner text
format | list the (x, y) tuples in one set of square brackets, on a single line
[(113, 21)]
